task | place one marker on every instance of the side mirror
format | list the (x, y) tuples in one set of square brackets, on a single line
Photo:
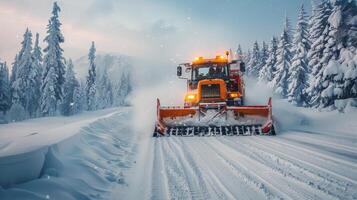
[(242, 67), (179, 71)]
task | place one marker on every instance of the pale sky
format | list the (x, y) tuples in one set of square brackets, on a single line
[(152, 29)]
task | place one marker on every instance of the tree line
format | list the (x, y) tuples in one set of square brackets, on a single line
[(46, 85), (314, 65)]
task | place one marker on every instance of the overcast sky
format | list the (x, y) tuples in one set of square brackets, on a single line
[(158, 29)]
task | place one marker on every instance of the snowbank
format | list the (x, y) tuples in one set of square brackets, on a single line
[(22, 167), (26, 136), (89, 165), (24, 145)]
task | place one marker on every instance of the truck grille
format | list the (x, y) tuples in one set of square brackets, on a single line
[(210, 91)]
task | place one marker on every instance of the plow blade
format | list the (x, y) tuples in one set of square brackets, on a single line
[(225, 121)]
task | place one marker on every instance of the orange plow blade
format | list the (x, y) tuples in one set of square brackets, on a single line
[(214, 119)]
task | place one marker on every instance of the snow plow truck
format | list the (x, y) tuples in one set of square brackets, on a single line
[(214, 103)]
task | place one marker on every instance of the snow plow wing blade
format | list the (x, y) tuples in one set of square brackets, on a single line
[(225, 120)]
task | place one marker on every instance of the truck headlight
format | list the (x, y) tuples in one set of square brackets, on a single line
[(190, 97), (234, 95)]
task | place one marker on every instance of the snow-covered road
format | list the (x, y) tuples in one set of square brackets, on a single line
[(291, 166), (314, 156), (311, 158)]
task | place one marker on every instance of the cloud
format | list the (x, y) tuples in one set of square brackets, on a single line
[(174, 31)]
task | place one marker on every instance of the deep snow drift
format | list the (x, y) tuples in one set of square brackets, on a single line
[(87, 165)]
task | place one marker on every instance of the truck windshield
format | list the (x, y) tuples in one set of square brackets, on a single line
[(210, 71)]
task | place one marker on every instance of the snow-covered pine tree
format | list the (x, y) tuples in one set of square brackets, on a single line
[(19, 80), (263, 56), (254, 64), (266, 74), (13, 70), (318, 33), (348, 62), (239, 51), (79, 99), (5, 96), (331, 75), (91, 80), (69, 90), (347, 40), (53, 66), (288, 31), (283, 63), (37, 57), (124, 88), (104, 91), (49, 99), (246, 57), (298, 73), (36, 77), (25, 87)]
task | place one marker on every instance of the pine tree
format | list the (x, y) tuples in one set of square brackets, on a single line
[(25, 86), (53, 66), (246, 58), (318, 33), (69, 90), (239, 51), (37, 57), (104, 91), (288, 31), (91, 80), (348, 62), (254, 64), (263, 56), (79, 99), (5, 96), (281, 74), (124, 89), (36, 77), (267, 72), (326, 81), (298, 75), (49, 99), (13, 70), (20, 80), (347, 41)]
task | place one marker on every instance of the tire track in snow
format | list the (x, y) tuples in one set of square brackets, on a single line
[(243, 174), (316, 152), (176, 179), (198, 187), (217, 192), (329, 163), (345, 187), (224, 185), (288, 188), (286, 168), (159, 185), (301, 137)]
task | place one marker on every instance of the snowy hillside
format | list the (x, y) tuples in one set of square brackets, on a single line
[(114, 64)]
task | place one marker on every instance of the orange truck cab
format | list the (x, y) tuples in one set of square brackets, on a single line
[(214, 81)]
